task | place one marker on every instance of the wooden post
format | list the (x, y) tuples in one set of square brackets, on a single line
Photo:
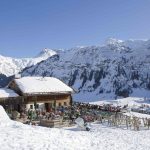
[(35, 102), (71, 100), (55, 103)]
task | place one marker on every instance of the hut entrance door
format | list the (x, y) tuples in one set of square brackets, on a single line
[(18, 108), (48, 106)]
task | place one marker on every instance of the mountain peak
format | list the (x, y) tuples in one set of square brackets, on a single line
[(46, 53), (113, 41), (10, 66)]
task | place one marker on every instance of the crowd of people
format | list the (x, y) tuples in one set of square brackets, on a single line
[(87, 111), (105, 113)]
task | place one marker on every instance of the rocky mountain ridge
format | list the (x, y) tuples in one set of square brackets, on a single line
[(10, 66), (117, 68)]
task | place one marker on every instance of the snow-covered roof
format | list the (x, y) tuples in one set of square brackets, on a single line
[(5, 93), (38, 85)]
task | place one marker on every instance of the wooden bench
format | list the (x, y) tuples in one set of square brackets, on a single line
[(50, 123)]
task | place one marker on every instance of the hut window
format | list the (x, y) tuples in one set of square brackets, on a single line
[(37, 105), (59, 104), (51, 104), (65, 103), (31, 106)]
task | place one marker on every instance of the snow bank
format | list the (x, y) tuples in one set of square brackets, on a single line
[(99, 138), (24, 137), (4, 119)]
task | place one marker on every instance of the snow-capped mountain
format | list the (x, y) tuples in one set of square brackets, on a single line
[(10, 66), (118, 68)]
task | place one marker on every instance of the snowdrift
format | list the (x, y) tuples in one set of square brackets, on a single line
[(4, 118)]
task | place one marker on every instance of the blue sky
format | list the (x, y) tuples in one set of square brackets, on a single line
[(27, 26)]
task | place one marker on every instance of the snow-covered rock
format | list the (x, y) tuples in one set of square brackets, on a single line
[(118, 68), (45, 53)]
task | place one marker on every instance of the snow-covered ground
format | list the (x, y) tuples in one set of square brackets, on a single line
[(18, 136), (130, 101), (139, 115), (14, 136)]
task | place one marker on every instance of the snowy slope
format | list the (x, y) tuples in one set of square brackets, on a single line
[(130, 101), (10, 66), (17, 136), (117, 68)]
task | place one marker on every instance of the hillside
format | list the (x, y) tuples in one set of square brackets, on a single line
[(117, 68)]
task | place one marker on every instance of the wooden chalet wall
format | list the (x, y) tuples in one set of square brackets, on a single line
[(12, 103), (58, 99)]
